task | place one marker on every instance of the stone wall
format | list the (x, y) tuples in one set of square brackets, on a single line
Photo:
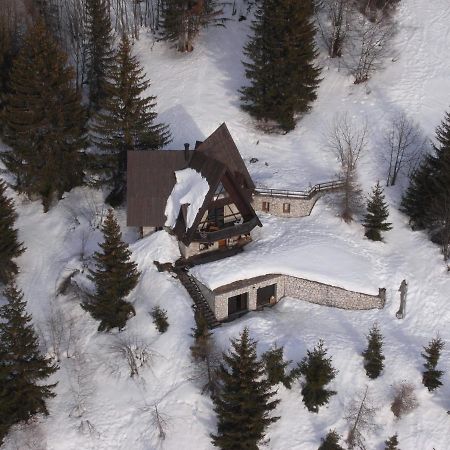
[(299, 207), (289, 286)]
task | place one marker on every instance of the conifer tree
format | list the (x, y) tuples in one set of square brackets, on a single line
[(392, 443), (373, 355), (331, 441), (281, 70), (22, 367), (100, 53), (182, 20), (44, 120), (159, 316), (318, 372), (10, 247), (431, 377), (276, 367), (244, 402), (427, 197), (375, 220), (115, 276), (126, 121)]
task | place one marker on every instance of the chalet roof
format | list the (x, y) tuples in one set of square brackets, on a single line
[(151, 178), (220, 146)]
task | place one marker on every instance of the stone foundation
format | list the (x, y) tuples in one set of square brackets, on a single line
[(278, 205), (289, 286)]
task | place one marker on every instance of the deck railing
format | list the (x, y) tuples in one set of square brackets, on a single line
[(317, 188)]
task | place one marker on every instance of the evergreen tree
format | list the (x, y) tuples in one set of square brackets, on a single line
[(377, 214), (115, 276), (276, 367), (373, 356), (22, 367), (282, 74), (126, 122), (318, 372), (100, 54), (182, 20), (10, 247), (159, 316), (392, 443), (427, 197), (244, 403), (331, 441), (431, 378), (44, 120)]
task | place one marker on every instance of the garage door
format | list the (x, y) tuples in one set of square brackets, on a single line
[(263, 295)]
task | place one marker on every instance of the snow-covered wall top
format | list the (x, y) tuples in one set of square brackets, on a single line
[(191, 189)]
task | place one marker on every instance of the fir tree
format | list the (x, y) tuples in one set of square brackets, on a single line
[(182, 20), (276, 367), (392, 443), (428, 195), (10, 247), (244, 403), (115, 276), (318, 372), (44, 120), (377, 214), (373, 356), (331, 441), (160, 319), (282, 74), (22, 367), (100, 54), (126, 121), (431, 378)]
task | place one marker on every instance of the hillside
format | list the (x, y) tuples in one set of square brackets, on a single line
[(197, 92)]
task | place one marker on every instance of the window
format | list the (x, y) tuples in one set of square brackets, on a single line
[(265, 206), (286, 207)]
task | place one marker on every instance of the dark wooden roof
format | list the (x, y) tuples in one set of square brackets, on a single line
[(220, 146), (150, 180)]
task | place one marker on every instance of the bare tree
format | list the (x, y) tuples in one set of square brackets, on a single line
[(361, 419), (333, 20), (369, 45), (348, 142), (404, 400), (403, 140), (129, 348)]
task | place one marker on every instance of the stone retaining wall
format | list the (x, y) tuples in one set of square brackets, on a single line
[(299, 207), (289, 286)]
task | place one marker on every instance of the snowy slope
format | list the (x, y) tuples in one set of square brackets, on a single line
[(196, 93)]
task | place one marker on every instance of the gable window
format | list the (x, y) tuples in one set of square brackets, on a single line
[(265, 206), (286, 207)]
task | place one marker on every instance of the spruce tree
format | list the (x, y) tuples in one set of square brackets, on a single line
[(115, 276), (276, 367), (318, 372), (44, 120), (392, 443), (10, 247), (431, 378), (331, 441), (22, 367), (373, 355), (427, 197), (281, 70), (159, 316), (182, 20), (126, 121), (375, 220), (244, 402), (100, 53)]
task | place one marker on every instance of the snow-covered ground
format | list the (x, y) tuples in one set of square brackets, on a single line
[(196, 93)]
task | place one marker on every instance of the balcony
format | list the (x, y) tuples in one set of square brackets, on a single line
[(207, 237)]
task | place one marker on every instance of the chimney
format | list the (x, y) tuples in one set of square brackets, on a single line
[(186, 151)]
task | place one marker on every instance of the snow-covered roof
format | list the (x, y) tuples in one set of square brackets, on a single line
[(190, 189)]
